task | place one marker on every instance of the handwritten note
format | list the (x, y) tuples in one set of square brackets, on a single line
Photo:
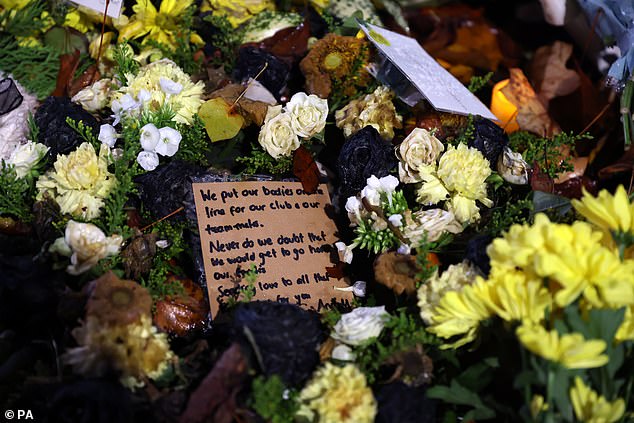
[(114, 7), (275, 226), (437, 85)]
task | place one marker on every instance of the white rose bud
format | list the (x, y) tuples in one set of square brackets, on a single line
[(360, 325), (26, 156), (277, 136), (308, 114), (342, 352), (89, 245), (418, 149)]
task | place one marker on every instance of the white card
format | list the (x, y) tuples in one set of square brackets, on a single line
[(114, 8), (435, 83)]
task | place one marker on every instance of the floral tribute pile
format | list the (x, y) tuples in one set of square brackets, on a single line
[(492, 263)]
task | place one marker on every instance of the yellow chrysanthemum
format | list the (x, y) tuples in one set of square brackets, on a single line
[(237, 11), (338, 395), (454, 278), (572, 257), (185, 104), (161, 26), (570, 350), (13, 4), (82, 19), (80, 181), (607, 211), (626, 330), (591, 408), (514, 297), (460, 314)]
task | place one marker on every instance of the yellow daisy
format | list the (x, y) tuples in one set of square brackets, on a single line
[(591, 408)]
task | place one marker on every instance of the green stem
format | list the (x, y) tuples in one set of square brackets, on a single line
[(550, 418), (626, 113)]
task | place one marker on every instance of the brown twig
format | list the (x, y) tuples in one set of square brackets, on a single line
[(103, 29), (379, 212), (178, 210), (266, 65)]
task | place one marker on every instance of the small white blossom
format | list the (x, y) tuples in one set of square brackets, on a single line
[(345, 251), (342, 352), (396, 220), (150, 137), (144, 96), (148, 160), (170, 87), (108, 135), (170, 140), (358, 288), (404, 249)]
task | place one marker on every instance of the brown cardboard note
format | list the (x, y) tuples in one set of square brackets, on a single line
[(276, 226)]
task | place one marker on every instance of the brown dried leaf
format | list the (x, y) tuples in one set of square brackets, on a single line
[(184, 314), (251, 111), (67, 65), (531, 113), (305, 168), (215, 399), (397, 272), (549, 74)]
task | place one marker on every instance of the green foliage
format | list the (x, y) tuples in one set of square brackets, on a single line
[(125, 63), (401, 332), (428, 268), (84, 131), (510, 213), (226, 41), (372, 240), (546, 152), (156, 281), (34, 130), (478, 82), (330, 316), (467, 134), (245, 294), (259, 160), (16, 194), (40, 76), (195, 142), (23, 22), (272, 400), (398, 204)]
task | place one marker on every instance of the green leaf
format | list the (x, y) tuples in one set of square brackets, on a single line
[(455, 394), (479, 414), (604, 323), (576, 322), (560, 392), (543, 201)]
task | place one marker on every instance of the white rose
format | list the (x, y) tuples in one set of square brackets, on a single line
[(308, 114), (277, 136), (26, 156), (360, 324), (429, 225), (418, 149), (88, 244)]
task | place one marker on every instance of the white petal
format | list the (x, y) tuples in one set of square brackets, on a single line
[(170, 87), (143, 96), (170, 140), (150, 137), (396, 220), (148, 160), (108, 135)]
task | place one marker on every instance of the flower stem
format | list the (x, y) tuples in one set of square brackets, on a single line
[(550, 386), (626, 113)]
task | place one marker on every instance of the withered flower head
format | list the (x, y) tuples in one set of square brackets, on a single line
[(115, 301), (139, 254), (375, 109), (336, 59), (397, 272)]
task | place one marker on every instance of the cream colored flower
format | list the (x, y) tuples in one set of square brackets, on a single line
[(308, 114), (26, 156), (185, 104), (375, 109), (80, 181), (456, 277), (429, 225), (94, 97), (108, 135), (134, 351), (337, 395), (418, 149), (87, 244), (359, 325), (277, 136)]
